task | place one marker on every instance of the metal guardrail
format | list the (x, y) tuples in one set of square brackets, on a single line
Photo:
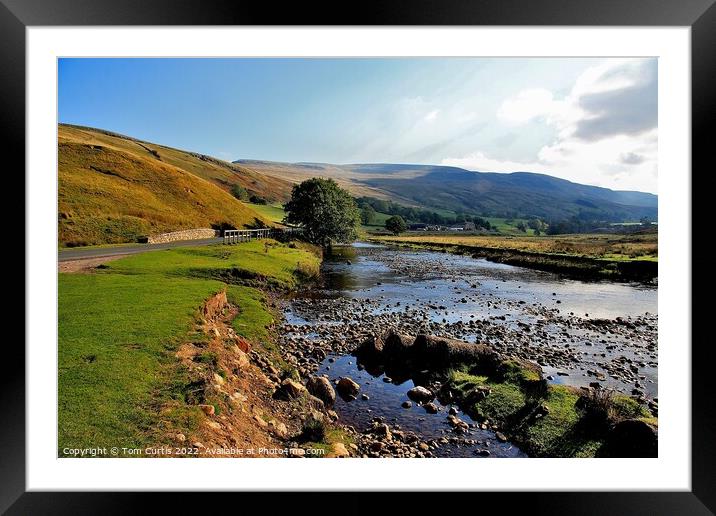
[(234, 236)]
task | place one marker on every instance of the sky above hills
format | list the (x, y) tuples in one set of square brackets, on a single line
[(591, 121)]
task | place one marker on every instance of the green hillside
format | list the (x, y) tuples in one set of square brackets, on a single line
[(113, 190)]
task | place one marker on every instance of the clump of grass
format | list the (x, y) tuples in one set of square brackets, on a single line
[(207, 357), (314, 430), (597, 408)]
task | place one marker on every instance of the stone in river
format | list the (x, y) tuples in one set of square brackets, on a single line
[(321, 388), (347, 387), (431, 408), (420, 394)]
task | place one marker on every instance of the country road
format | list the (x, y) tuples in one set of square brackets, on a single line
[(65, 255)]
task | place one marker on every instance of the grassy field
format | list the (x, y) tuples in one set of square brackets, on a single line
[(378, 222), (632, 257), (120, 326), (509, 226), (604, 246), (272, 212), (113, 189)]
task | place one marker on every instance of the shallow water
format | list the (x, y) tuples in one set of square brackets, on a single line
[(448, 292), (385, 401)]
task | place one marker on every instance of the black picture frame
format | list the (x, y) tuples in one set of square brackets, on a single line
[(700, 15)]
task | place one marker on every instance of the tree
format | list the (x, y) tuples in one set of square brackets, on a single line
[(326, 212), (257, 199), (367, 214), (396, 224), (535, 224), (521, 226), (239, 192)]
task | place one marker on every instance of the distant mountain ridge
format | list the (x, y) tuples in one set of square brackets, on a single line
[(516, 194)]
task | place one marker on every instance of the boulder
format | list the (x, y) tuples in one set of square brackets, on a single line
[(242, 359), (243, 344), (375, 446), (260, 421), (278, 429), (632, 438), (316, 403), (440, 352), (209, 410), (321, 388), (290, 389), (383, 431), (339, 450), (347, 388), (420, 394), (397, 346), (431, 408), (371, 348)]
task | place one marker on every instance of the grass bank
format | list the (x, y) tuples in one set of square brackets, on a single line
[(273, 212), (119, 329), (620, 257), (553, 420)]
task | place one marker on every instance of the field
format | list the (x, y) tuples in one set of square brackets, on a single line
[(272, 212), (609, 247), (509, 226), (120, 326), (632, 257), (377, 223)]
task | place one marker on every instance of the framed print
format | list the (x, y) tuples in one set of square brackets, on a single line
[(435, 247)]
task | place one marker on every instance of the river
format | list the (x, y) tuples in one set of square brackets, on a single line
[(579, 332)]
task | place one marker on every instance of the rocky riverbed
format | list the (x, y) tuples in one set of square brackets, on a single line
[(580, 333)]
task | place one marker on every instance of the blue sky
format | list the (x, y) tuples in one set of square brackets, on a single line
[(588, 120)]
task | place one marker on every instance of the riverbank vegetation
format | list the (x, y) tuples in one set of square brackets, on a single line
[(119, 382), (512, 397), (548, 420), (612, 256)]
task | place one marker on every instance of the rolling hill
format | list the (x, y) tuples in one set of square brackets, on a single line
[(113, 189), (518, 194)]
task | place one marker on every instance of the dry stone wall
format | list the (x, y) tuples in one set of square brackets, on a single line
[(187, 234)]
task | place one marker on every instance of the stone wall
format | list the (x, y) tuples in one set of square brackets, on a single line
[(187, 234)]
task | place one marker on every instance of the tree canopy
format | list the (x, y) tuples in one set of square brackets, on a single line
[(396, 224), (367, 214), (326, 212), (239, 192)]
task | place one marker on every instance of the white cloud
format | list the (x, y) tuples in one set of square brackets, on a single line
[(527, 105), (432, 115), (605, 128)]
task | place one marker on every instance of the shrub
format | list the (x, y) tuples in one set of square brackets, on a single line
[(597, 408), (239, 192), (257, 199), (314, 430)]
